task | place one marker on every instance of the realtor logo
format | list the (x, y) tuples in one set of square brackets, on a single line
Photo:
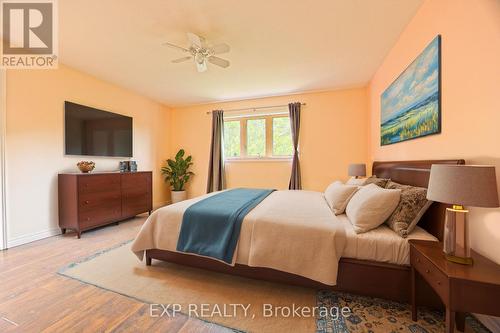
[(29, 34)]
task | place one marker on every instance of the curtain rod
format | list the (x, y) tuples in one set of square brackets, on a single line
[(255, 108)]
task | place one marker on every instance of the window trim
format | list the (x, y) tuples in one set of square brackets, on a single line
[(258, 159), (269, 138)]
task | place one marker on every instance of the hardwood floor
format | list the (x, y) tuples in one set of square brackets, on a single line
[(34, 298)]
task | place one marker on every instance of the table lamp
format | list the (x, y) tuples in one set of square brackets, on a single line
[(357, 170), (461, 185)]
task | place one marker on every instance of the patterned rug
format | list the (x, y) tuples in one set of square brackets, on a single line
[(368, 314)]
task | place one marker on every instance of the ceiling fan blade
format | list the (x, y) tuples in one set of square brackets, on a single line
[(175, 46), (195, 40), (201, 66), (220, 48), (176, 61), (219, 61)]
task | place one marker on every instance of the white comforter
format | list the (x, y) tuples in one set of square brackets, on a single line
[(291, 231)]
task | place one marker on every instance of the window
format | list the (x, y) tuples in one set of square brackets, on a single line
[(232, 139), (258, 137), (282, 138)]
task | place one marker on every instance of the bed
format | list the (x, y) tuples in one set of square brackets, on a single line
[(375, 263)]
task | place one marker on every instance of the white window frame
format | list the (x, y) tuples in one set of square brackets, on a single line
[(269, 137)]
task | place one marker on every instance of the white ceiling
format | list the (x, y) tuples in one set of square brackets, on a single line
[(277, 47)]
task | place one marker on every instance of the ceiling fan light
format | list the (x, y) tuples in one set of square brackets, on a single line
[(199, 58)]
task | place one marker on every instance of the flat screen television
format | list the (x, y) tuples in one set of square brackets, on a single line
[(95, 132)]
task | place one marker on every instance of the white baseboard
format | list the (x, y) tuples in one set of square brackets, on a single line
[(24, 239), (492, 323)]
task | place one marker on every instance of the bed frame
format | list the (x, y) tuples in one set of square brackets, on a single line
[(363, 277)]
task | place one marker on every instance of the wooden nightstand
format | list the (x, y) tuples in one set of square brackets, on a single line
[(462, 288)]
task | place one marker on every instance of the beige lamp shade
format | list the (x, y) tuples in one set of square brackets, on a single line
[(357, 170), (466, 185)]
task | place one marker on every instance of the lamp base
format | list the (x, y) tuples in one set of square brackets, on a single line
[(456, 246), (459, 260)]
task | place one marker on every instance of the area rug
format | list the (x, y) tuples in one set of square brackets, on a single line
[(244, 304)]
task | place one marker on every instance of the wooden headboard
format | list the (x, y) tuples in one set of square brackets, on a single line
[(416, 173)]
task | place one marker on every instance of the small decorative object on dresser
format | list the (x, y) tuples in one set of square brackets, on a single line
[(474, 289), (123, 166), (87, 201), (177, 174), (85, 166), (461, 185), (128, 166), (133, 166)]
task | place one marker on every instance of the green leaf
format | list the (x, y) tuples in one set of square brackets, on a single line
[(179, 154), (172, 164)]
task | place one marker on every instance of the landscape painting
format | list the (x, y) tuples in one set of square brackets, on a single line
[(411, 105)]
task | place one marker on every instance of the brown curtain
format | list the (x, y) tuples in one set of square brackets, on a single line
[(216, 179), (294, 112)]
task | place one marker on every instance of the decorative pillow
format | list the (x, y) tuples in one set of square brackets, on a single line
[(410, 209), (337, 195), (381, 182), (371, 206), (356, 181)]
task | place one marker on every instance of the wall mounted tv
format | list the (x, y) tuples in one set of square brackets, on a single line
[(94, 132)]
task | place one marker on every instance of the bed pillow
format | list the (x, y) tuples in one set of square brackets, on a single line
[(356, 181), (337, 195), (371, 206), (381, 182), (410, 209)]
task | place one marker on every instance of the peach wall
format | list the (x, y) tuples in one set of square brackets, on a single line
[(470, 33), (35, 151), (334, 133)]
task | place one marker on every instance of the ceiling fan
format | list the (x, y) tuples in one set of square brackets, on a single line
[(201, 52)]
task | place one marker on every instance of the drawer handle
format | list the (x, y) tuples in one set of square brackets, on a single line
[(88, 219), (427, 271), (418, 259), (438, 283), (87, 202)]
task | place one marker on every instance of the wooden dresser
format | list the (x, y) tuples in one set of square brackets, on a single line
[(91, 200)]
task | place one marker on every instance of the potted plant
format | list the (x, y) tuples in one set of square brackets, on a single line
[(177, 174)]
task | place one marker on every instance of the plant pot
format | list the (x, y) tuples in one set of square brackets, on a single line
[(178, 196)]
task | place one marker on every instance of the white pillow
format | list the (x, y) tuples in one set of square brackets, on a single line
[(371, 206), (337, 195), (356, 181)]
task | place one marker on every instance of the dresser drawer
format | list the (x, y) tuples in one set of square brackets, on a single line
[(99, 183), (134, 204), (138, 191), (91, 201), (433, 276), (136, 181), (100, 215)]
